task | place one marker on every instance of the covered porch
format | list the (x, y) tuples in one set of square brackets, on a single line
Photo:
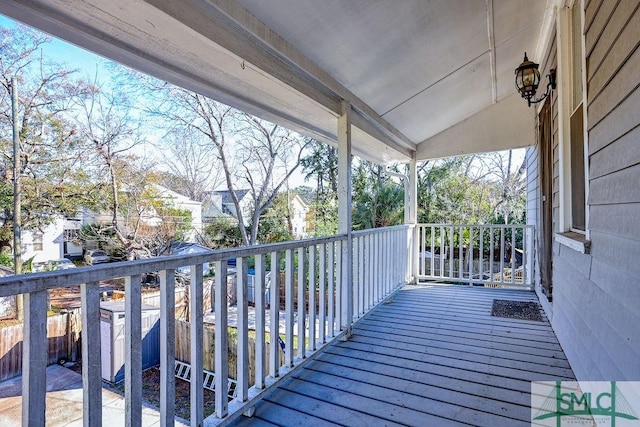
[(394, 82)]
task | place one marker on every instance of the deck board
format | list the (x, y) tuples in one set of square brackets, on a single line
[(431, 355)]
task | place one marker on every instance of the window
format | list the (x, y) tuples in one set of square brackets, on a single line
[(37, 241), (576, 123), (71, 234), (571, 114)]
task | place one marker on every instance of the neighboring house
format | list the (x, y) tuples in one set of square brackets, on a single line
[(299, 217), (221, 201), (212, 209), (150, 217), (179, 201), (46, 244)]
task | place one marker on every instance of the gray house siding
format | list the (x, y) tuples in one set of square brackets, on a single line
[(596, 306)]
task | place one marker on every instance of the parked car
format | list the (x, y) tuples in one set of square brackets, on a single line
[(51, 265), (95, 256)]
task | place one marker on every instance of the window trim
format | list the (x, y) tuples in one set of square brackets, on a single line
[(565, 112)]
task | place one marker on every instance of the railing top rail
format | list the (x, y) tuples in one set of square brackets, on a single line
[(381, 230), (477, 225), (32, 282)]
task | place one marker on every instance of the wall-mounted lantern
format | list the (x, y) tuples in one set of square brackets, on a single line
[(528, 79)]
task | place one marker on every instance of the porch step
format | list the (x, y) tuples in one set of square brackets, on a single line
[(183, 371)]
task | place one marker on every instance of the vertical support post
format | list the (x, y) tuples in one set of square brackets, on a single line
[(34, 359), (274, 345), (344, 214), (133, 351), (167, 347), (221, 346), (411, 218), (196, 332), (260, 321), (243, 329), (91, 353)]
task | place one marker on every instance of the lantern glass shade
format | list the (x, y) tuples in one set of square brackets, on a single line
[(527, 78)]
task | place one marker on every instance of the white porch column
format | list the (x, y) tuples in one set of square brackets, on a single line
[(411, 210), (344, 215), (411, 217)]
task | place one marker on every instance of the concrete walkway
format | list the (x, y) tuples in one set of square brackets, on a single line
[(64, 402)]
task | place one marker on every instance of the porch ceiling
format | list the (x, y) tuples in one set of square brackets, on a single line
[(413, 70)]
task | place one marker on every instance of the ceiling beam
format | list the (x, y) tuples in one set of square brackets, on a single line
[(502, 126), (492, 52)]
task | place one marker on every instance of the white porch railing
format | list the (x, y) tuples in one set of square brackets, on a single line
[(380, 262), (489, 255)]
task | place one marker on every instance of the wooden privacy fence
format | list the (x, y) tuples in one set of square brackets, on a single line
[(183, 349), (63, 342)]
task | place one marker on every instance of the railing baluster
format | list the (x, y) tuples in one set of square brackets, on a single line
[(260, 321), (451, 251), (302, 336), (339, 285), (460, 253), (355, 275), (370, 276), (432, 251), (491, 253), (91, 352), (288, 353), (380, 272), (34, 359), (221, 347), (502, 250), (322, 306), (423, 249), (242, 364), (196, 332), (331, 290), (133, 351), (471, 256), (312, 297), (525, 255), (387, 263), (442, 252), (167, 347), (481, 230), (513, 254), (376, 269), (274, 325)]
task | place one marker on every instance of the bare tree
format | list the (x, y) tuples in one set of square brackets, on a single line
[(193, 166), (252, 153), (110, 132)]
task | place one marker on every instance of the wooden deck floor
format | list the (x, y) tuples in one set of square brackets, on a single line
[(433, 356)]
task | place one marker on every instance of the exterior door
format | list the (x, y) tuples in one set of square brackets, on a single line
[(545, 167)]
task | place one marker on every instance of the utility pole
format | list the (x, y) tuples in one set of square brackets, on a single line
[(17, 244)]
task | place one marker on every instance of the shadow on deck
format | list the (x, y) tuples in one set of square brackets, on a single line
[(433, 355)]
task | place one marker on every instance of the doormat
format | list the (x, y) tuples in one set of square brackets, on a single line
[(525, 310)]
